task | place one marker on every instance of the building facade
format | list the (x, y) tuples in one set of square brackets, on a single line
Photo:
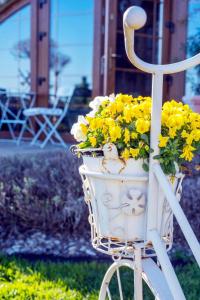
[(63, 47)]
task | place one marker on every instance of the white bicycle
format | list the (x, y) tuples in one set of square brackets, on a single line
[(134, 257)]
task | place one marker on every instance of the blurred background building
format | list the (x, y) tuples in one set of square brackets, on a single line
[(76, 47)]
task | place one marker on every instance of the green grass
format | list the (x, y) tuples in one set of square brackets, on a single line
[(21, 279)]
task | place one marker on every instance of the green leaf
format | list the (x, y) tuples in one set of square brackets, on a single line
[(157, 157), (145, 167), (145, 138)]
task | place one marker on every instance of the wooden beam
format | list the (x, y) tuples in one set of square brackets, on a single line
[(11, 7), (98, 48), (40, 44), (178, 45)]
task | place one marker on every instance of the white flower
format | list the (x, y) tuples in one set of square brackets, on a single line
[(76, 130), (91, 114), (94, 104), (82, 120)]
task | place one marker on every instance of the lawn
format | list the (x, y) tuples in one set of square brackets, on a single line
[(21, 279)]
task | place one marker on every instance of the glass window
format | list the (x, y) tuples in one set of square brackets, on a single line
[(193, 43), (15, 52), (148, 41), (71, 54)]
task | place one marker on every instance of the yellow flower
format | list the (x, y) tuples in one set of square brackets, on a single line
[(115, 133), (134, 152), (187, 153), (124, 98), (172, 132), (119, 106), (184, 134), (93, 141), (96, 123), (84, 128), (109, 122), (126, 136), (176, 121), (146, 107), (163, 141), (142, 125), (136, 111), (127, 114), (134, 135), (125, 154), (113, 108), (120, 119), (196, 134)]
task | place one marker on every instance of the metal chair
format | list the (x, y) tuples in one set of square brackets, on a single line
[(44, 118), (12, 106)]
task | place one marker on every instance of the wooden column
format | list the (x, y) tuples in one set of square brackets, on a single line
[(40, 42), (98, 44), (179, 13), (110, 46)]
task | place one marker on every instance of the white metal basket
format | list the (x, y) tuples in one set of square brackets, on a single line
[(116, 194)]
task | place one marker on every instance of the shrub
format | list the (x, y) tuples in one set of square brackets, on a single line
[(42, 192)]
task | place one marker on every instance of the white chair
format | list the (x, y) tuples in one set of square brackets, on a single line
[(44, 118), (14, 117)]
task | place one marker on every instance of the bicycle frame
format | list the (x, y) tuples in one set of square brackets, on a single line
[(135, 18)]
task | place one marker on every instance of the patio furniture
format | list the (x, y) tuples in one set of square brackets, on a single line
[(48, 121), (11, 107)]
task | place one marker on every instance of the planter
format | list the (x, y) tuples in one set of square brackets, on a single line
[(117, 193)]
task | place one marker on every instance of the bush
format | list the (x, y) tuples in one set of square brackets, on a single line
[(42, 192)]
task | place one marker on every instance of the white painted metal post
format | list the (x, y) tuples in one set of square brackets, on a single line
[(138, 293), (167, 267), (157, 90), (178, 212)]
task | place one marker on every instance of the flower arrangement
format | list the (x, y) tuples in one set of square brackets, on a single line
[(125, 121)]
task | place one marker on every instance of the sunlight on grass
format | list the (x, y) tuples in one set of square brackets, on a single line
[(22, 280)]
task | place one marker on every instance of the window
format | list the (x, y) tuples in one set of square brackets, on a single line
[(193, 35), (15, 52), (71, 54), (128, 78)]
